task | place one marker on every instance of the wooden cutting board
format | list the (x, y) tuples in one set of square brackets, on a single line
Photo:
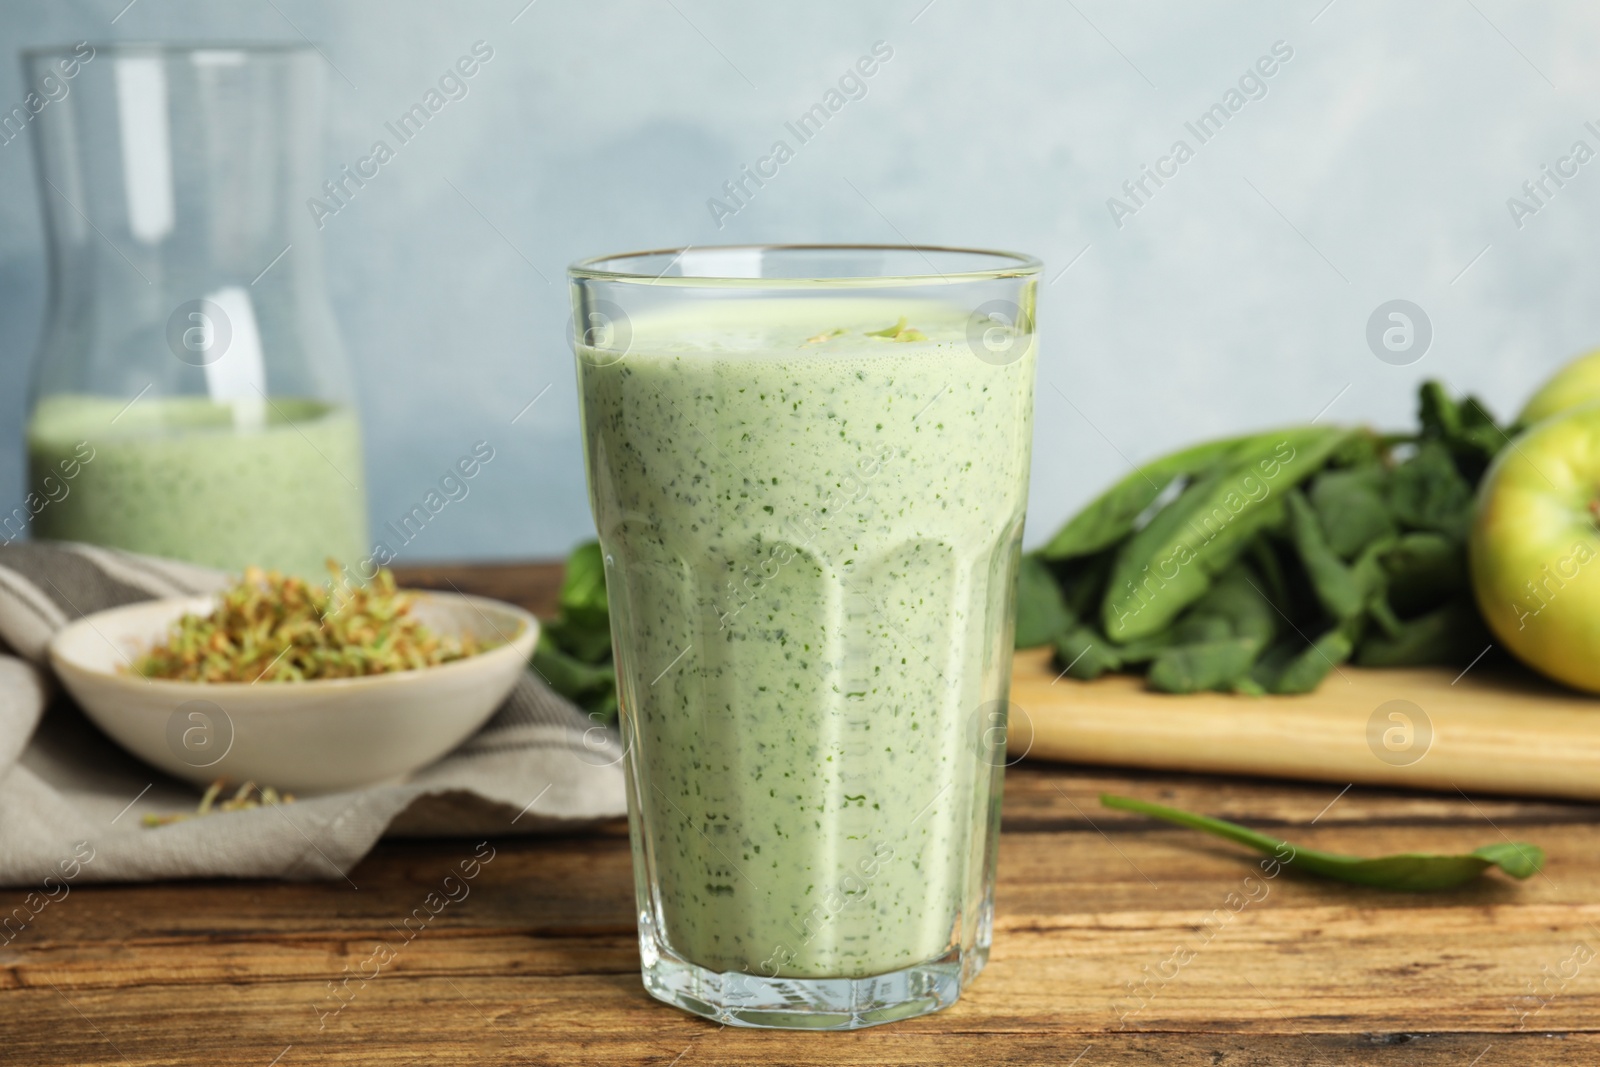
[(1488, 731)]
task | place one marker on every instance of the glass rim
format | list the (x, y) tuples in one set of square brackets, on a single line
[(167, 47), (1006, 265)]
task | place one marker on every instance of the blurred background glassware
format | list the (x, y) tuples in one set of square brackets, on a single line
[(191, 396)]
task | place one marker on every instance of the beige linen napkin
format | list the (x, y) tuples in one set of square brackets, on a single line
[(72, 802)]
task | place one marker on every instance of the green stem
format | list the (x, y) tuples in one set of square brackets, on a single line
[(1409, 870)]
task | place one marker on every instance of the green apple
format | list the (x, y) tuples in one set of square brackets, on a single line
[(1574, 385), (1535, 547)]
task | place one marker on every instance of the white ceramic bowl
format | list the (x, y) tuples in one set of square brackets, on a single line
[(303, 737)]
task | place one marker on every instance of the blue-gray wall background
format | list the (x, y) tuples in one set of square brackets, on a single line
[(1377, 166)]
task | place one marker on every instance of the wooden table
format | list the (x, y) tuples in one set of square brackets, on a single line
[(540, 964)]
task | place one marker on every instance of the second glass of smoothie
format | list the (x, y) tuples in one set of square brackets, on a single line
[(809, 468)]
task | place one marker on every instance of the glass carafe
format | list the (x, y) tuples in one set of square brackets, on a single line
[(191, 397)]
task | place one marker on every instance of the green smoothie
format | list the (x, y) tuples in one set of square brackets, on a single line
[(194, 479), (812, 535)]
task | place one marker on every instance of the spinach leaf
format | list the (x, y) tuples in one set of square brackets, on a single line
[(1427, 492), (1355, 536), (1145, 649), (1215, 643), (1042, 614), (1238, 599), (1274, 585), (1302, 667), (1465, 427), (1350, 508), (574, 651), (1452, 634), (570, 676), (1424, 569), (1214, 664), (1417, 871), (1165, 567), (1085, 654), (583, 589), (590, 644), (1334, 583), (1083, 582), (1114, 514)]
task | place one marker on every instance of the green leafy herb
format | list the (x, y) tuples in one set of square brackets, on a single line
[(1335, 584), (1169, 564), (1115, 514), (1424, 569), (1086, 654), (1350, 508), (583, 589), (1465, 427), (1216, 642), (1428, 492), (1041, 611), (1214, 664), (574, 651), (1412, 870), (1446, 635), (1336, 544), (1303, 667)]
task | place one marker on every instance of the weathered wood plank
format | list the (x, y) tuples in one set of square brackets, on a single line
[(1269, 965), (1081, 937), (539, 963), (385, 1045), (1270, 973), (582, 885), (1504, 731), (1042, 795), (533, 586)]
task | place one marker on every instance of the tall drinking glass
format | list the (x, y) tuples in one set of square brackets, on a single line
[(808, 468)]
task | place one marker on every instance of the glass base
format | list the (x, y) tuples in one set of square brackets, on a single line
[(739, 999)]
